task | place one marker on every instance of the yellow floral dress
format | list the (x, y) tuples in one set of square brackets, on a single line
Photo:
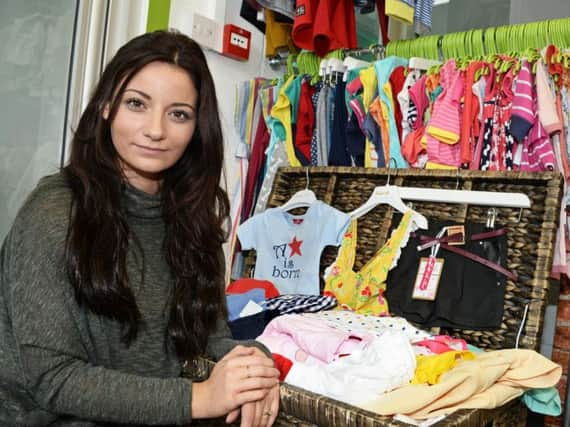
[(363, 291)]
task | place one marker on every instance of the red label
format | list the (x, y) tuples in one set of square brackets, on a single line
[(297, 221), (427, 273)]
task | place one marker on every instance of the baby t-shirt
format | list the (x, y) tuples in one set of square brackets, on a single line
[(289, 247)]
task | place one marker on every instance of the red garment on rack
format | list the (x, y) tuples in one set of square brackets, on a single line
[(256, 162), (324, 25), (469, 122), (397, 79), (305, 121)]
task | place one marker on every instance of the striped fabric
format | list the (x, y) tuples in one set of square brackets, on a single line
[(443, 129), (422, 16), (538, 153), (412, 115), (294, 303), (406, 104), (523, 113)]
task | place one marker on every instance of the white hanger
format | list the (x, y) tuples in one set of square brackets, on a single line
[(388, 195), (323, 67), (350, 63), (301, 199), (417, 63), (335, 68), (470, 197), (482, 198), (335, 65)]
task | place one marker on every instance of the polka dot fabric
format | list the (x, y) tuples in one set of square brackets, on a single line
[(350, 321)]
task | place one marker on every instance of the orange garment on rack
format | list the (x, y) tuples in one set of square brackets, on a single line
[(377, 112), (412, 146), (470, 112)]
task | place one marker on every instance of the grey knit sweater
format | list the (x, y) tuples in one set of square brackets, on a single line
[(64, 366)]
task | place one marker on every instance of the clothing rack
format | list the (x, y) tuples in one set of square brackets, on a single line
[(480, 42), (277, 61), (377, 50)]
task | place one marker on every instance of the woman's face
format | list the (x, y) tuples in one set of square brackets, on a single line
[(154, 123)]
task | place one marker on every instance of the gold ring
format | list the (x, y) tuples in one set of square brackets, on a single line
[(267, 413)]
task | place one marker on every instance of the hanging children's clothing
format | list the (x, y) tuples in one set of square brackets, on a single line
[(443, 129), (363, 291), (462, 280), (289, 247), (324, 25)]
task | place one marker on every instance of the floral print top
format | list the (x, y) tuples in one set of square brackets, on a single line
[(363, 291)]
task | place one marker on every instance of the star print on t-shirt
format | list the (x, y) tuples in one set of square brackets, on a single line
[(295, 246)]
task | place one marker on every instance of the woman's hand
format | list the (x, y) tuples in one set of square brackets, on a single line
[(242, 376), (261, 413), (258, 414)]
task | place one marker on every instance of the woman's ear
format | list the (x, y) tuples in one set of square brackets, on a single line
[(105, 112)]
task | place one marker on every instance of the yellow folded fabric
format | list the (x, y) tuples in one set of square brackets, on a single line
[(443, 135), (277, 35), (430, 368), (400, 10), (434, 165)]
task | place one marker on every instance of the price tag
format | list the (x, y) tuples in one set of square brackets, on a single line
[(453, 230), (427, 279)]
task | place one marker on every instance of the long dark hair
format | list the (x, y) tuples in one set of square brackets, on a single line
[(195, 207)]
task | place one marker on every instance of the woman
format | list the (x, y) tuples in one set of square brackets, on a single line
[(112, 274)]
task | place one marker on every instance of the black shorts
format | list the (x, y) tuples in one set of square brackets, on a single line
[(470, 295)]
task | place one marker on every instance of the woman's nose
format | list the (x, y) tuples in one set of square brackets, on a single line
[(155, 128)]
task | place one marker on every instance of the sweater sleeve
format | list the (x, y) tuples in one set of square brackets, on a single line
[(53, 349), (221, 342)]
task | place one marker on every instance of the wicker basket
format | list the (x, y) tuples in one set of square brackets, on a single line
[(531, 238)]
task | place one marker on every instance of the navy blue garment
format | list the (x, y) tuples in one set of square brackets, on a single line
[(338, 153), (250, 327), (355, 141), (374, 135)]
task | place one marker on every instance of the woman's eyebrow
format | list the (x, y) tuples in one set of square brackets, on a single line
[(148, 97), (140, 92)]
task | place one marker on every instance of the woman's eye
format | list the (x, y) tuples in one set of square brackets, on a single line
[(180, 115), (134, 104)]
